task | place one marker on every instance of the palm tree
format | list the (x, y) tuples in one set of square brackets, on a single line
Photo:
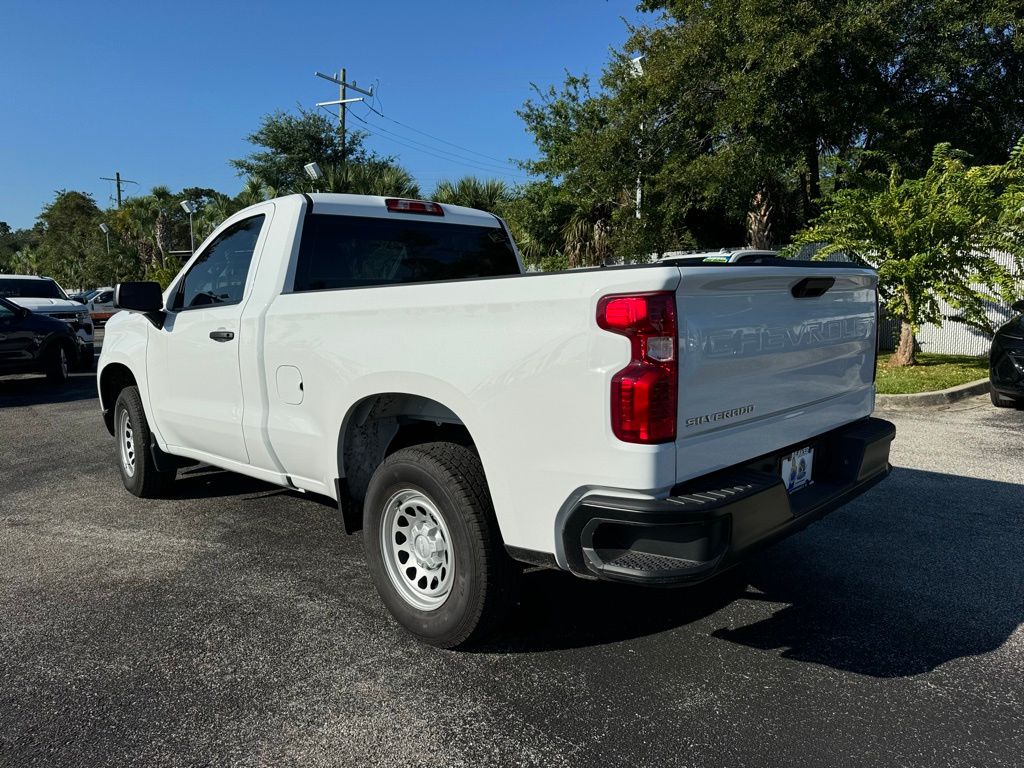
[(369, 178), (255, 190), (484, 194), (586, 240), (216, 210)]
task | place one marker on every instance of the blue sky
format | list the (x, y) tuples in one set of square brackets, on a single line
[(166, 92)]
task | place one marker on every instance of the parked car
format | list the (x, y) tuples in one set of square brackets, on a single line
[(647, 424), (741, 256), (35, 343), (45, 297), (1006, 362), (101, 305)]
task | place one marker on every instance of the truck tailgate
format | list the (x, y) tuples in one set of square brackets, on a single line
[(770, 357)]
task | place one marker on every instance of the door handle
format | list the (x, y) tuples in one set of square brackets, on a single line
[(222, 335)]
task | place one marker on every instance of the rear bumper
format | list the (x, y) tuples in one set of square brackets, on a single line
[(708, 524)]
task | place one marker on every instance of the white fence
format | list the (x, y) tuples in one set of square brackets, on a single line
[(954, 337)]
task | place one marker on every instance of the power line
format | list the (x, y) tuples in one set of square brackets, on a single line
[(449, 157), (500, 164), (433, 151), (435, 138)]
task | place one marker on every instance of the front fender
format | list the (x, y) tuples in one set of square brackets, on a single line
[(126, 343)]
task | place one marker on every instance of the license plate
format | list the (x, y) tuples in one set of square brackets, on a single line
[(796, 469)]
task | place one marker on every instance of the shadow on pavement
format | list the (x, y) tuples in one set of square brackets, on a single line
[(206, 482), (36, 390), (925, 569), (932, 571)]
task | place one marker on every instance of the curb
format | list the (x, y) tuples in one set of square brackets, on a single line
[(942, 397)]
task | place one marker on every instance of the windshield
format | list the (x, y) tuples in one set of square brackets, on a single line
[(30, 289)]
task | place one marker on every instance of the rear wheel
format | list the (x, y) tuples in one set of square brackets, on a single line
[(134, 459), (433, 546), (57, 366)]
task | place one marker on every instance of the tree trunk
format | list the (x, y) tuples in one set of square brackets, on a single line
[(759, 222), (905, 350), (813, 172)]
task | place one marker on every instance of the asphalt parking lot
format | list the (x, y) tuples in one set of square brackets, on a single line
[(235, 625)]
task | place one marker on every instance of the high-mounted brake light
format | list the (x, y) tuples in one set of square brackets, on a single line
[(423, 207), (643, 394)]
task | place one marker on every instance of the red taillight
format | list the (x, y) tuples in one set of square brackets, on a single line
[(396, 205), (644, 392)]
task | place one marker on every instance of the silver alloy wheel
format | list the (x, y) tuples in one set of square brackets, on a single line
[(126, 442), (417, 550), (63, 362)]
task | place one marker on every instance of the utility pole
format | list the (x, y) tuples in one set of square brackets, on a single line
[(341, 119), (119, 182), (343, 100)]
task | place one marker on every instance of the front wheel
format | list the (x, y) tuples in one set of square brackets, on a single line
[(1004, 401), (134, 459), (57, 367), (433, 546)]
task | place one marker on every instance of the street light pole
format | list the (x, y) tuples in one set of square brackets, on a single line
[(106, 232), (190, 207), (638, 71)]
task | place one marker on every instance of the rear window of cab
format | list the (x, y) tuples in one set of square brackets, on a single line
[(357, 251)]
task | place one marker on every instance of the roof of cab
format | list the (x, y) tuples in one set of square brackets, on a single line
[(372, 205)]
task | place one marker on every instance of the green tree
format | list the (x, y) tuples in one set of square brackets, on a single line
[(16, 248), (71, 243), (369, 176), (484, 194), (742, 113), (931, 238), (537, 214), (290, 141)]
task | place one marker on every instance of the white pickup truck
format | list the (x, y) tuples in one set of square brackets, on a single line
[(649, 424)]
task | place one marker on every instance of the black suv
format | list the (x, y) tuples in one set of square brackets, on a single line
[(31, 343), (1006, 362)]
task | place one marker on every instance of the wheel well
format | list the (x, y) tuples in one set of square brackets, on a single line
[(114, 378), (379, 425)]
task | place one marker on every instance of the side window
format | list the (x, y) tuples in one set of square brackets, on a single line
[(218, 276), (104, 298), (5, 313)]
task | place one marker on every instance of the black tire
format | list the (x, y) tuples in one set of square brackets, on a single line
[(485, 579), (87, 361), (145, 480), (1004, 401), (57, 365)]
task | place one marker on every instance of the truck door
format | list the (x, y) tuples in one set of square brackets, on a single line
[(193, 364), (16, 340)]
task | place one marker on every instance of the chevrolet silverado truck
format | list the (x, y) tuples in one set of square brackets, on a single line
[(43, 296), (648, 424)]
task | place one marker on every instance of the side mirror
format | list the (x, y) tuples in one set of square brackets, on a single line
[(141, 296), (1018, 306)]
